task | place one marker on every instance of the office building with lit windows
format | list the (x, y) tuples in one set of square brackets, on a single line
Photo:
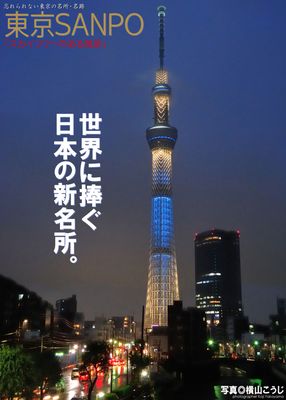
[(218, 280), (162, 287)]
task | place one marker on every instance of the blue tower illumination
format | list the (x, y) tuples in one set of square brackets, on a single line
[(162, 288)]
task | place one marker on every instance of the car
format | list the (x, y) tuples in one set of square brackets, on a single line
[(83, 376), (79, 398), (75, 373)]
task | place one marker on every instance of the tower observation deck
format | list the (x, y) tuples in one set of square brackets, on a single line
[(162, 287)]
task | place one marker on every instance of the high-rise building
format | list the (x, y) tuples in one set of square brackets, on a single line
[(281, 307), (218, 278), (66, 312), (22, 311), (124, 327), (162, 287), (187, 334), (79, 323), (278, 322)]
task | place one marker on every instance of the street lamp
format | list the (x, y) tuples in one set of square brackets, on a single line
[(144, 373), (76, 350), (127, 370)]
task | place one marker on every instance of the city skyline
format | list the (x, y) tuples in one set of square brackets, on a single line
[(226, 64)]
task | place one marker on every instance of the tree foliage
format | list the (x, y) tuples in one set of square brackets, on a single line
[(47, 370), (15, 367), (137, 361), (97, 355)]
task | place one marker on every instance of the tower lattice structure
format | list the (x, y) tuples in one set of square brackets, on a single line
[(162, 287)]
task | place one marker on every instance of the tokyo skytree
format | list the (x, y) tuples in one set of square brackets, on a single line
[(162, 287)]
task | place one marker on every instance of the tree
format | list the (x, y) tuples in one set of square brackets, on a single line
[(47, 370), (138, 362), (15, 368), (97, 356)]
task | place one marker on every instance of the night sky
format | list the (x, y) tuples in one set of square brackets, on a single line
[(227, 63)]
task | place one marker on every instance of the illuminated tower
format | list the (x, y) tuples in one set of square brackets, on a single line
[(162, 287)]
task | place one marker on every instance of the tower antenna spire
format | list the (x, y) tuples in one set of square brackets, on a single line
[(162, 14)]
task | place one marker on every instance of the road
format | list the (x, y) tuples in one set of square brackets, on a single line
[(76, 389)]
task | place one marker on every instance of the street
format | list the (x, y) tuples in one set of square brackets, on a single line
[(74, 388)]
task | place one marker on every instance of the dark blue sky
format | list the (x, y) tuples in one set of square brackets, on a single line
[(227, 65)]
